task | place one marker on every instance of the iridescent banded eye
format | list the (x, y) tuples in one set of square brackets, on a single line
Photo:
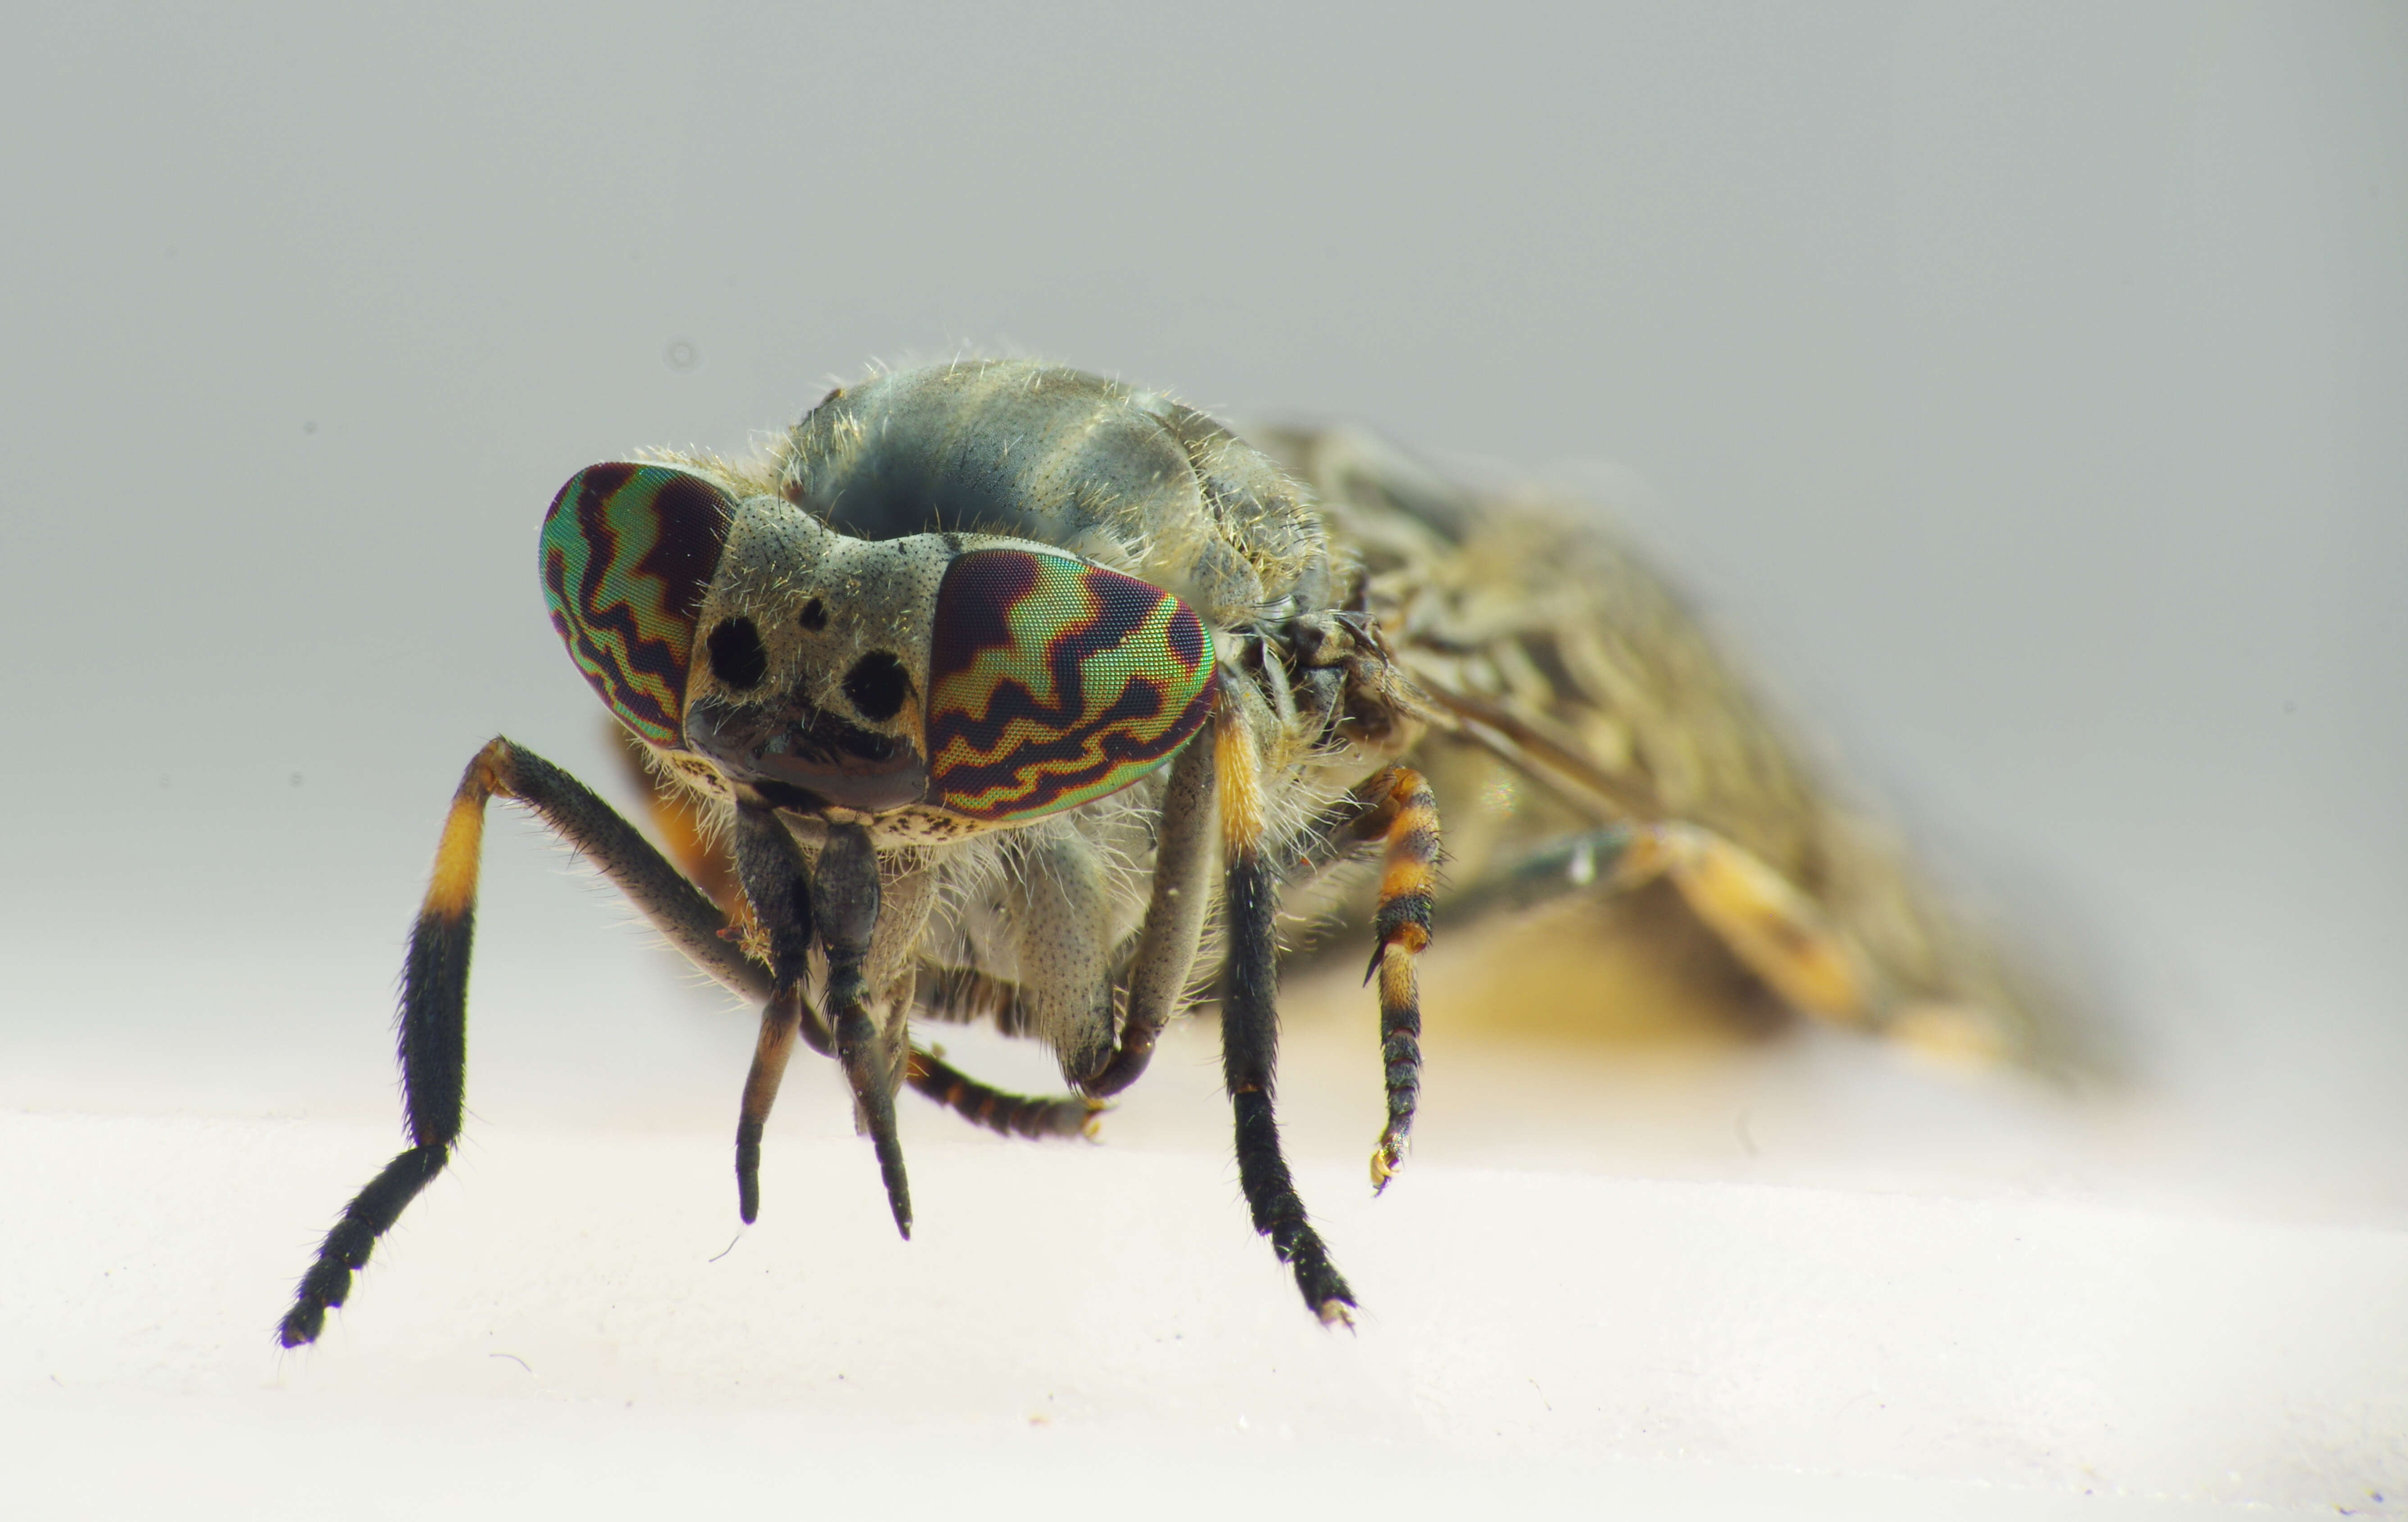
[(1053, 682), (628, 551)]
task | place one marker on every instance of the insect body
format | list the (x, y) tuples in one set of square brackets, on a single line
[(1003, 691), (995, 677)]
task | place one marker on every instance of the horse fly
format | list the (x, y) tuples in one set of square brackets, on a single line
[(1002, 691)]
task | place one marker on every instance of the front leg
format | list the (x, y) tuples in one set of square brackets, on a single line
[(1249, 1018), (435, 989), (834, 902), (1173, 930), (1063, 909), (844, 906), (776, 884)]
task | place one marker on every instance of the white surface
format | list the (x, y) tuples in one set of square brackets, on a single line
[(560, 1320)]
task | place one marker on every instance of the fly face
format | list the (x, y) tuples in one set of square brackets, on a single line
[(932, 685), (810, 695)]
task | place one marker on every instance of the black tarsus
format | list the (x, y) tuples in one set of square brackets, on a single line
[(748, 1169), (1248, 1062), (1401, 1068), (369, 1215)]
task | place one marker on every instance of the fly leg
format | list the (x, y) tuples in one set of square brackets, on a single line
[(776, 884), (962, 995), (1407, 817), (1004, 1113), (1174, 927), (435, 989), (1773, 928), (1062, 910), (1250, 1018), (844, 895), (837, 904)]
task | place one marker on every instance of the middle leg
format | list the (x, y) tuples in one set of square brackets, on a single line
[(1407, 816)]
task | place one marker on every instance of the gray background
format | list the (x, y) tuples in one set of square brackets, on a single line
[(2022, 385)]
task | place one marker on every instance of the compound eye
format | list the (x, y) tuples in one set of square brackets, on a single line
[(628, 552), (1053, 682)]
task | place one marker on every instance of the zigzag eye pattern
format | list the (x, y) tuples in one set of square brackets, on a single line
[(1053, 682), (628, 551)]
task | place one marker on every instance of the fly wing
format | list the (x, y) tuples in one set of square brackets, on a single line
[(1581, 699)]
